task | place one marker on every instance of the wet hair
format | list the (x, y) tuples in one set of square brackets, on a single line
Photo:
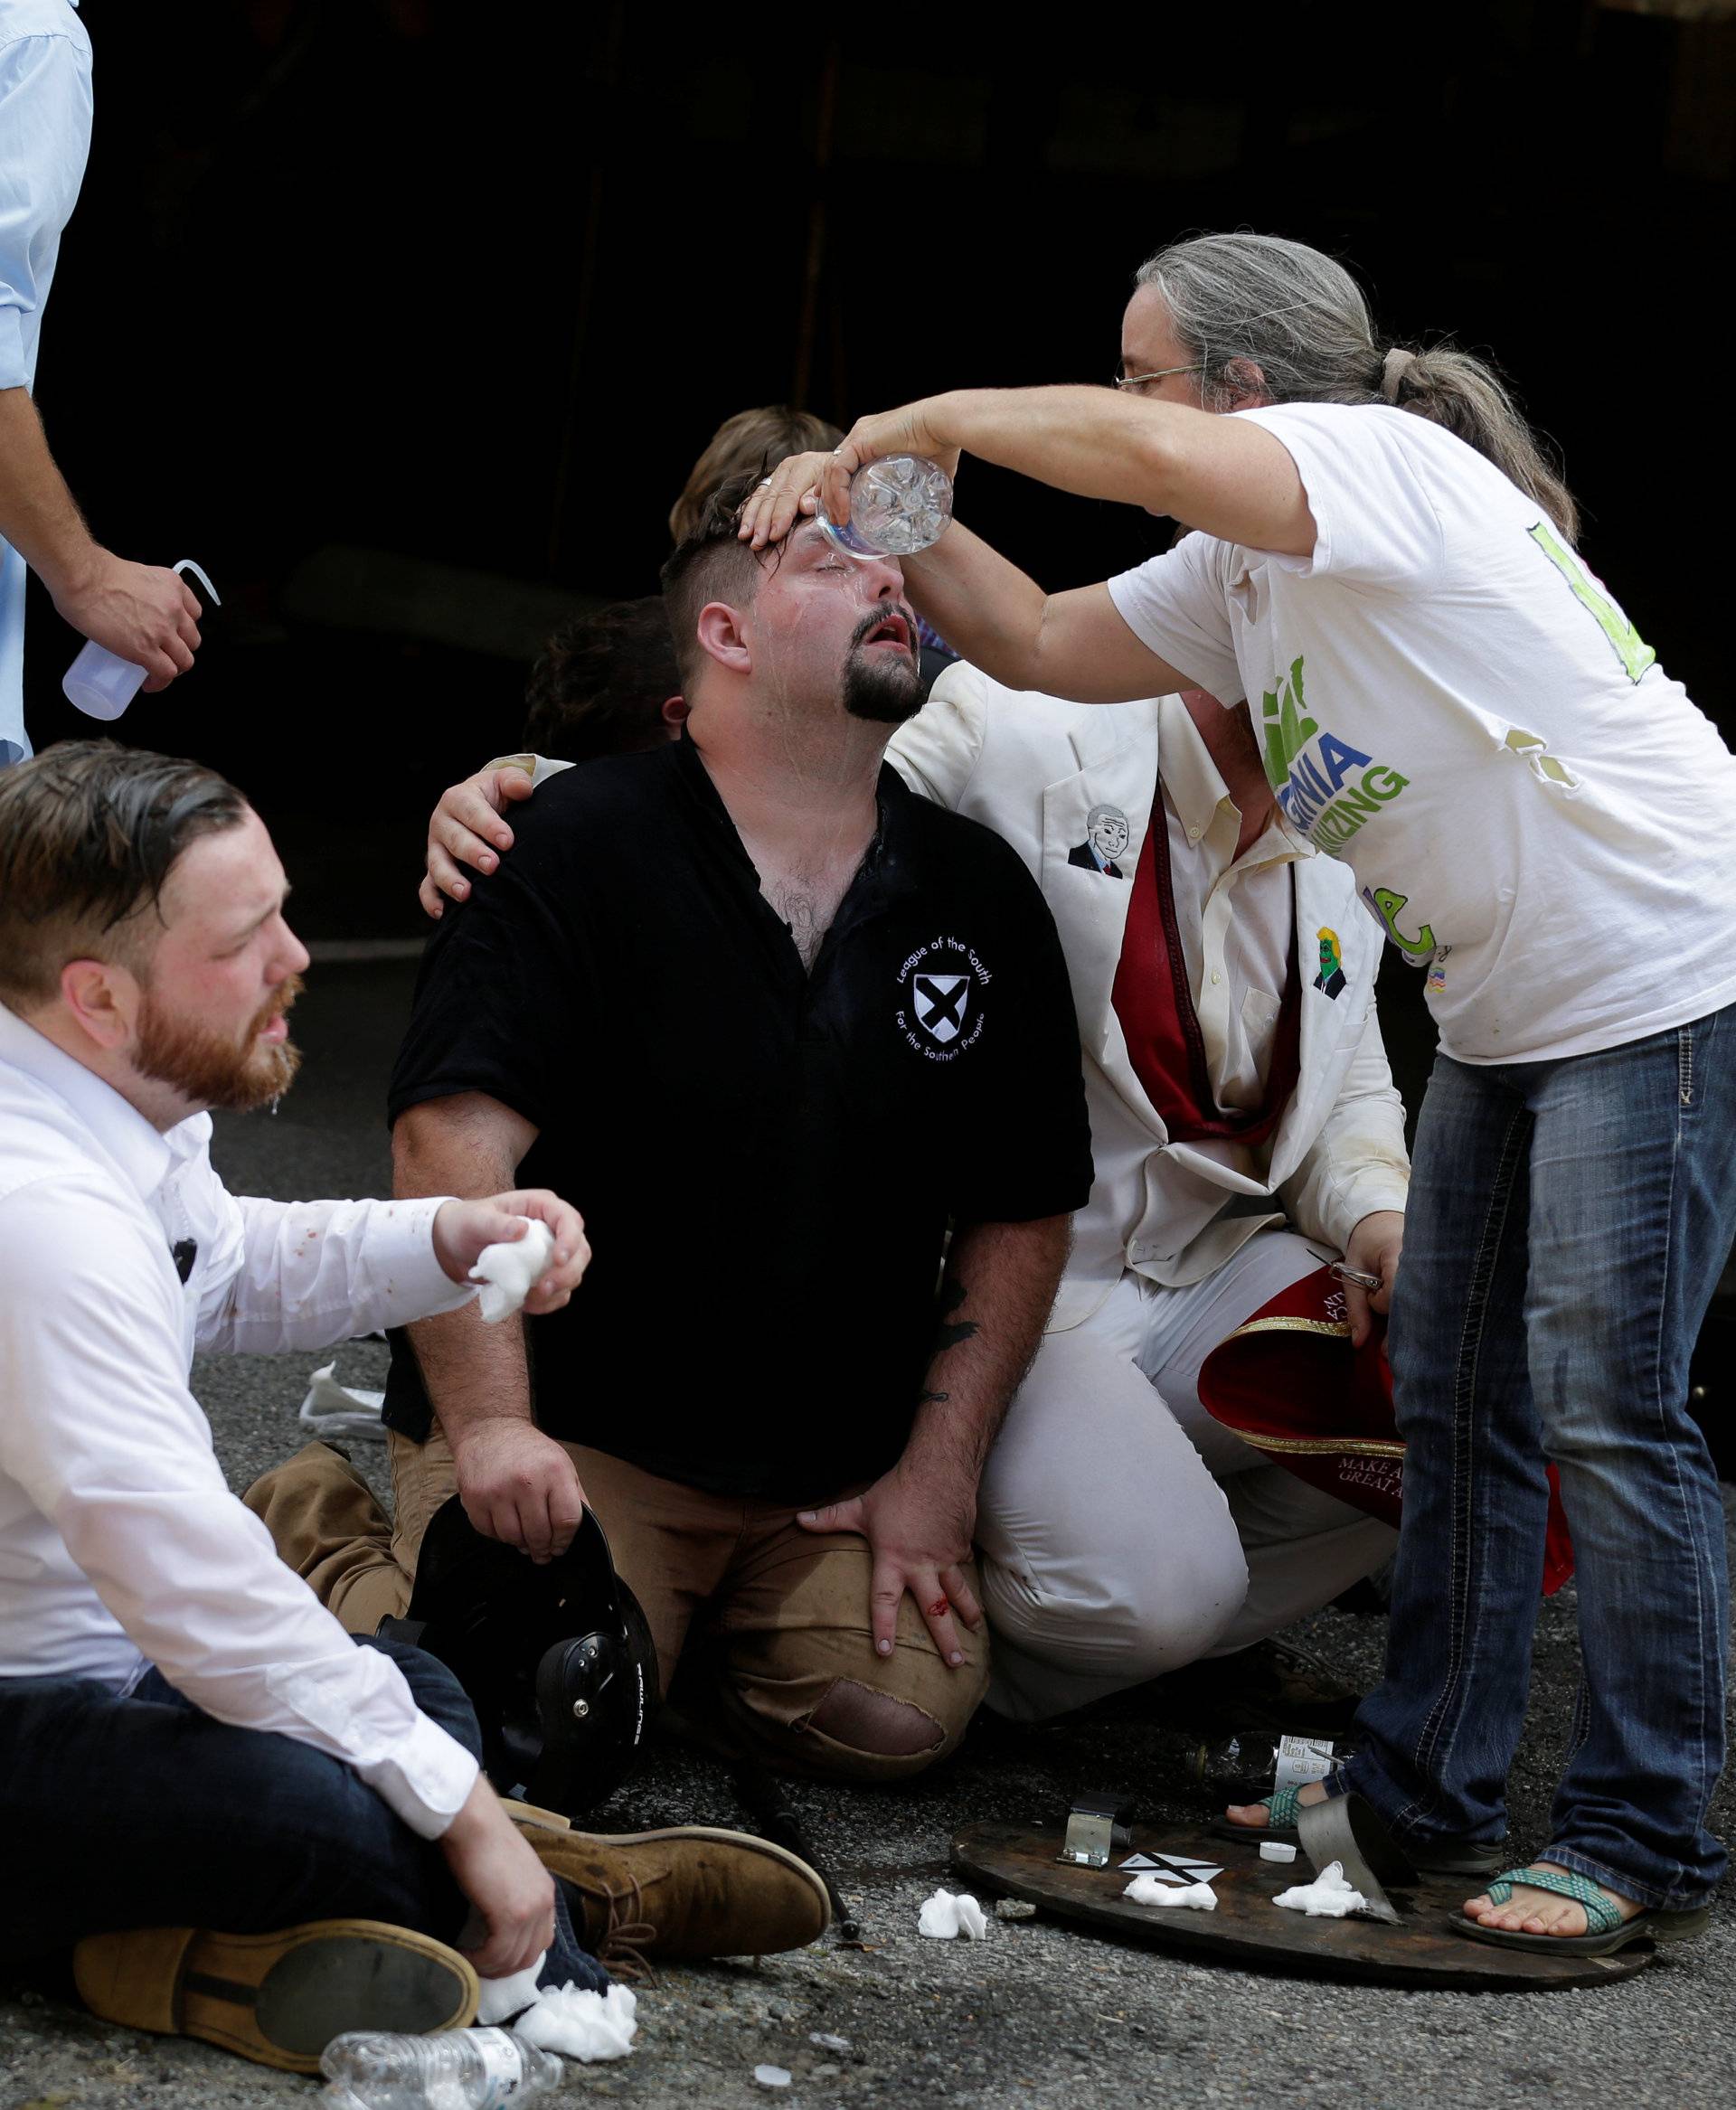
[(90, 832), (1241, 301), (752, 439), (601, 682), (711, 564)]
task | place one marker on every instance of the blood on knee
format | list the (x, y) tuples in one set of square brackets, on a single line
[(866, 1720)]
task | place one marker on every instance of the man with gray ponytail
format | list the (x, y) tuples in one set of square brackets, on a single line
[(1447, 699)]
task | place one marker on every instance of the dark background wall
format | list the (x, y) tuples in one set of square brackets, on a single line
[(407, 319)]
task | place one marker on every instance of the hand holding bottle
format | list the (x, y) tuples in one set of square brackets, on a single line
[(142, 624), (140, 612)]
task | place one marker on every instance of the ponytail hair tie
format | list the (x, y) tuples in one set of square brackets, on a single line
[(1393, 369)]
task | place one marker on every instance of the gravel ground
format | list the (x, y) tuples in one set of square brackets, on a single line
[(1037, 2015)]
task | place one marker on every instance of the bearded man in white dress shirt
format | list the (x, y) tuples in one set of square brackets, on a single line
[(244, 1825)]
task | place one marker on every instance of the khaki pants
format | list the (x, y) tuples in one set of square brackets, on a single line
[(771, 1621)]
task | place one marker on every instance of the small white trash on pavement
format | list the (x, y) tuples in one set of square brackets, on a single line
[(946, 1916), (1329, 1896)]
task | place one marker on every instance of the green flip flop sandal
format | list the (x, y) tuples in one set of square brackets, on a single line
[(1606, 1930), (1281, 1819), (1445, 1859)]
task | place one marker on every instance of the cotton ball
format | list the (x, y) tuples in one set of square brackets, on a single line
[(510, 1270)]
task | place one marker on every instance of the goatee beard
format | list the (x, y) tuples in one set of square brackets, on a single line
[(209, 1069), (886, 689)]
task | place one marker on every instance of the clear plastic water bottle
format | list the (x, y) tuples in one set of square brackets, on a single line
[(1241, 1761), (459, 2069), (99, 682), (898, 506)]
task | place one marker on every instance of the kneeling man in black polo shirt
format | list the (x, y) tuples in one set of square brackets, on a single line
[(776, 1025)]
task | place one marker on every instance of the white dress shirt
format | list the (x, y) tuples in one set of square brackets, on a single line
[(44, 140), (121, 1545), (1237, 919)]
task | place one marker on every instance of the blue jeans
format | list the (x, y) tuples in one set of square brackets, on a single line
[(144, 1812), (1568, 1221)]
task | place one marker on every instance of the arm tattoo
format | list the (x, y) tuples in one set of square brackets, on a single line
[(953, 1293), (932, 1398)]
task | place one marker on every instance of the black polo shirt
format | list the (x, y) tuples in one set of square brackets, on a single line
[(767, 1160)]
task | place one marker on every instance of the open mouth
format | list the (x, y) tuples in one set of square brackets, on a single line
[(272, 1023), (891, 629)]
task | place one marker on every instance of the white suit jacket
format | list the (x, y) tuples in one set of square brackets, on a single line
[(1032, 767)]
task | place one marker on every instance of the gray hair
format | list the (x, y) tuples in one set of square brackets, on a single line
[(1275, 319)]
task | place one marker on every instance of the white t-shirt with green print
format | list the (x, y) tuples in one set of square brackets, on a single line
[(1449, 701)]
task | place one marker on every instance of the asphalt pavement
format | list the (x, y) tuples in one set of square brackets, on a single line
[(1036, 2017)]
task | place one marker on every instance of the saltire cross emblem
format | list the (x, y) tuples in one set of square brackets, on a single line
[(940, 1002)]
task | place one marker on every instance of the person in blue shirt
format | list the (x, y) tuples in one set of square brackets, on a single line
[(143, 612)]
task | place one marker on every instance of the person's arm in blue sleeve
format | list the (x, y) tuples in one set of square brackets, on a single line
[(143, 612)]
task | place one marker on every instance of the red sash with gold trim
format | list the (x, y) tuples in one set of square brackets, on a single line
[(1154, 1006), (1288, 1383)]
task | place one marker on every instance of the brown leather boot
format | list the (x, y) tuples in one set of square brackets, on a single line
[(692, 1891), (277, 1998)]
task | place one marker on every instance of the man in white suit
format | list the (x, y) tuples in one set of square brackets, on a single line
[(1245, 1129)]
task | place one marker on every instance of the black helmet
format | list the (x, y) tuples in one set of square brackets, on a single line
[(557, 1659)]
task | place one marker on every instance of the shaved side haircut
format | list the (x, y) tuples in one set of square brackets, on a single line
[(90, 832), (712, 565)]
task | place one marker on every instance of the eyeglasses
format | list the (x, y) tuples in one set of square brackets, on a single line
[(1132, 381)]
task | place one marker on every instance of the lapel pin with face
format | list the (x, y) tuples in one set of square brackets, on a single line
[(1108, 832)]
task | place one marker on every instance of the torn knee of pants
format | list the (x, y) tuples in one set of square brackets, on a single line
[(874, 1722)]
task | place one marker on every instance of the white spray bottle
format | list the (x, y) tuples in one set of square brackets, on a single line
[(99, 682)]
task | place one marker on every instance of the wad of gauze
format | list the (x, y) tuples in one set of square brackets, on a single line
[(946, 1916), (509, 1271), (1329, 1896), (1154, 1891), (577, 2024)]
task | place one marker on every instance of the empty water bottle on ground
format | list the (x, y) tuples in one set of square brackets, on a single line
[(99, 682), (898, 506), (1240, 1764), (1244, 1760), (459, 2069)]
